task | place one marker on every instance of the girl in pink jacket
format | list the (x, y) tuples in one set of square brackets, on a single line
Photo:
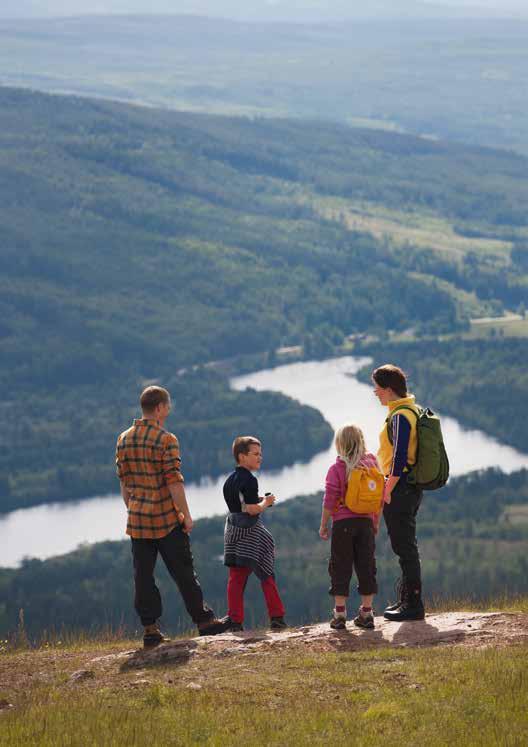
[(353, 535)]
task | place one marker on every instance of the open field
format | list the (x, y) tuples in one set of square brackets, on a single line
[(515, 514), (499, 327), (423, 229), (307, 686)]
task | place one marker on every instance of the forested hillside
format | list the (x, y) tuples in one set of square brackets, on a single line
[(482, 383), (74, 455), (135, 242), (472, 535)]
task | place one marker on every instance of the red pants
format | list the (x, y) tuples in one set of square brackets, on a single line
[(235, 595)]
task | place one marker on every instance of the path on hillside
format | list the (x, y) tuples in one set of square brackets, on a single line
[(462, 628), (189, 661)]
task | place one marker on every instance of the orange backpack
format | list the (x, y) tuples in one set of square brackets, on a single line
[(364, 490)]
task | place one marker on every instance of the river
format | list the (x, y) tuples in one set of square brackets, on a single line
[(330, 386)]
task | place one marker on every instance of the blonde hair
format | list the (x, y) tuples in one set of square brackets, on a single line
[(350, 446)]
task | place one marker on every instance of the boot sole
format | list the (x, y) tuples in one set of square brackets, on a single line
[(397, 617), (363, 626)]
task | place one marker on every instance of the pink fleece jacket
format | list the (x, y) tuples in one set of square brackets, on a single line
[(336, 486)]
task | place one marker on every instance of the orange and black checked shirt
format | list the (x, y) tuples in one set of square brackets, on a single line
[(148, 461)]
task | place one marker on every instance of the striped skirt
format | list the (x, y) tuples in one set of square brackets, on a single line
[(248, 544)]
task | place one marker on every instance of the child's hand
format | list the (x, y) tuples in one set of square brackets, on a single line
[(269, 500), (323, 531)]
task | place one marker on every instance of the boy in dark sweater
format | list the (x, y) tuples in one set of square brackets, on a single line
[(248, 545)]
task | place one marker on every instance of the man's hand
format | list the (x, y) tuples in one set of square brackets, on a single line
[(187, 525), (323, 531), (125, 494)]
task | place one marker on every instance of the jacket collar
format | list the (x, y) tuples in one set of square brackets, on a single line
[(410, 400)]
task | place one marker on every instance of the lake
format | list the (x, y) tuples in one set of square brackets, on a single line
[(330, 386)]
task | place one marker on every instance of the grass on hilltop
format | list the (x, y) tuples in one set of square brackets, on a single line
[(435, 696), (446, 695)]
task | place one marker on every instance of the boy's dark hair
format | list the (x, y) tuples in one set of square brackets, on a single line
[(391, 376), (153, 396), (241, 445)]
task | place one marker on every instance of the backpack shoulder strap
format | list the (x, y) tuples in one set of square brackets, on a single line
[(393, 413)]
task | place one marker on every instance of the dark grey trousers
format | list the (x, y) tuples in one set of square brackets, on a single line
[(400, 518), (175, 550)]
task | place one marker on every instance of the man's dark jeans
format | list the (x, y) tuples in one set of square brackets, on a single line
[(175, 549), (400, 518)]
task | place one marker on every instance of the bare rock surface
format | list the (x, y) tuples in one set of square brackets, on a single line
[(81, 675), (461, 628)]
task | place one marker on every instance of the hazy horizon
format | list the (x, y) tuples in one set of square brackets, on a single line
[(267, 10)]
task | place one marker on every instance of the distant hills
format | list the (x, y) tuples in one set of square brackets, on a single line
[(265, 10), (456, 79)]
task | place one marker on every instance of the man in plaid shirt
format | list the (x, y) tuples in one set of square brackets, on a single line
[(148, 466)]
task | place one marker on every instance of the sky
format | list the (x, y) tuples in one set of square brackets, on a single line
[(299, 10)]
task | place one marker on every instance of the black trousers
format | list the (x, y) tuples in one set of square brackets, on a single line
[(175, 549), (352, 547), (400, 518)]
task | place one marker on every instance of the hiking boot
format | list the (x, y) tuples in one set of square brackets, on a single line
[(214, 626), (401, 594), (233, 627), (338, 622), (278, 623), (153, 636), (365, 619), (412, 608)]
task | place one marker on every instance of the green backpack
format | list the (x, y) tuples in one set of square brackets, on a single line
[(431, 470)]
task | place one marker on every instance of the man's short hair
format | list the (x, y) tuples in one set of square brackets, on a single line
[(391, 376), (153, 396), (242, 444)]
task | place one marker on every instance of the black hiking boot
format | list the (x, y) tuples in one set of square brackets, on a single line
[(213, 626), (412, 608), (278, 623), (401, 593)]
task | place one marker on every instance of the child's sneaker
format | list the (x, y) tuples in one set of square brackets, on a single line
[(338, 622), (365, 619), (278, 623), (232, 626)]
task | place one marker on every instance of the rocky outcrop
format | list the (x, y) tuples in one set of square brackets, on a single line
[(461, 628)]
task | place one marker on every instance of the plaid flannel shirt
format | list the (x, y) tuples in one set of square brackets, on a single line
[(148, 461)]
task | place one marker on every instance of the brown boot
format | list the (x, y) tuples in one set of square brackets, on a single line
[(153, 636)]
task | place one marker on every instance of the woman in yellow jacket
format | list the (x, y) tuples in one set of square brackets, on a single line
[(396, 456)]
